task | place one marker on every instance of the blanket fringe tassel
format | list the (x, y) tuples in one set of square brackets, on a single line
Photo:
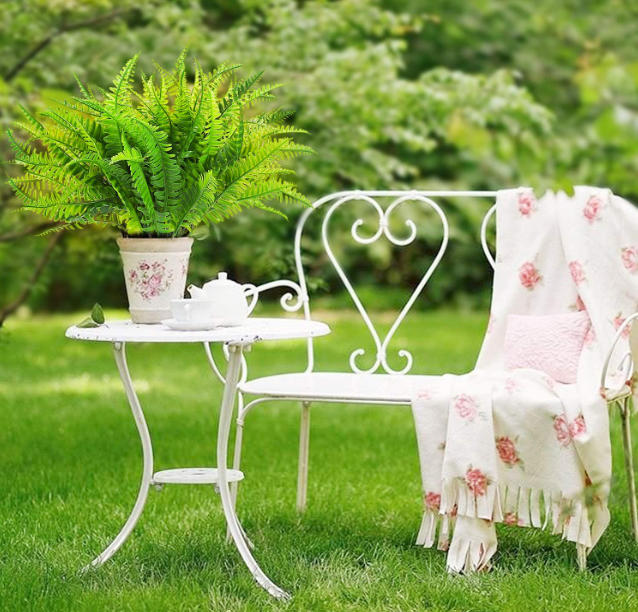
[(512, 505)]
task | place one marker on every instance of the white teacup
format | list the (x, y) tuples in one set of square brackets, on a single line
[(192, 310)]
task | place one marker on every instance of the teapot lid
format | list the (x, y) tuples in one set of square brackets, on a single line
[(222, 280)]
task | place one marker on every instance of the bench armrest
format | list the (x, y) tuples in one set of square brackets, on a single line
[(300, 298), (625, 368), (288, 301)]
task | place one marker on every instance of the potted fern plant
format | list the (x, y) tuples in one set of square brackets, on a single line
[(156, 164)]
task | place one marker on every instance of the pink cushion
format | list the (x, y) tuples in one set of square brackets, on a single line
[(549, 343)]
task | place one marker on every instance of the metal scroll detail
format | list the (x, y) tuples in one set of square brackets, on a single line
[(382, 344)]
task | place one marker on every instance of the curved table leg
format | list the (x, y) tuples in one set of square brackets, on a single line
[(147, 452), (234, 526)]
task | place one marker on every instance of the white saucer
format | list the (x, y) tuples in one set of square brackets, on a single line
[(207, 325)]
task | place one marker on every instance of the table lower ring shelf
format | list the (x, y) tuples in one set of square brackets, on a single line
[(194, 476)]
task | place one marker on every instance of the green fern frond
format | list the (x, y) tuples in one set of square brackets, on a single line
[(196, 204), (213, 133), (165, 173), (36, 125), (160, 161), (123, 85), (221, 72), (237, 92), (274, 116), (134, 160)]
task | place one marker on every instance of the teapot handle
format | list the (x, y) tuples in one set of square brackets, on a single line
[(254, 291)]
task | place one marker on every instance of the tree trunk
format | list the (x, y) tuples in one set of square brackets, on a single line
[(8, 310)]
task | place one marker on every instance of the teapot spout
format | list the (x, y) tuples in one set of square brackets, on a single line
[(196, 292)]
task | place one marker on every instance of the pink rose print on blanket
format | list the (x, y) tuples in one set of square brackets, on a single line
[(511, 518), (512, 385), (591, 212), (566, 431), (466, 406), (526, 204), (562, 430), (579, 305), (476, 481), (507, 451), (618, 321), (528, 275), (577, 272), (590, 338), (577, 427), (629, 256), (425, 394), (432, 501)]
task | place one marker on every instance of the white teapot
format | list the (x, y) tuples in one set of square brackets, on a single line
[(228, 298)]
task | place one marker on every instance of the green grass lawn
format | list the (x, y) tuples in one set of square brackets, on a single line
[(70, 465)]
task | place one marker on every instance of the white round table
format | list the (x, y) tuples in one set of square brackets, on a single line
[(237, 340)]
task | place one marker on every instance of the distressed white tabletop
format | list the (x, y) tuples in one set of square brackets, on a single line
[(254, 330)]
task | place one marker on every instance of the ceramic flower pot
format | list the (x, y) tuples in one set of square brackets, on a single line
[(155, 273)]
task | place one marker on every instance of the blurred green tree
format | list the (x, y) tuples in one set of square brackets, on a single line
[(448, 94)]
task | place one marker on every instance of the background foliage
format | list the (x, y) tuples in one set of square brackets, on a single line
[(400, 93)]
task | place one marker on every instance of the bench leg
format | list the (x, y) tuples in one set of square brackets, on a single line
[(302, 473), (581, 557), (625, 413)]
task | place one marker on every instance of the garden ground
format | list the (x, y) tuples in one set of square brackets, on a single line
[(70, 466)]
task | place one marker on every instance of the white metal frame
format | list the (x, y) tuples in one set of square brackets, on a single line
[(236, 341), (219, 476), (300, 300), (621, 396)]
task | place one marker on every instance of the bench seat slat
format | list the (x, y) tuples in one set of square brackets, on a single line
[(346, 386)]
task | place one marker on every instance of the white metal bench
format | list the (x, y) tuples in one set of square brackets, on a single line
[(379, 383)]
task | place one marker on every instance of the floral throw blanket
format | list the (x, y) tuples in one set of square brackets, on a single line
[(516, 446)]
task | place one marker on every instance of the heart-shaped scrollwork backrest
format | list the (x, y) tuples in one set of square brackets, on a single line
[(383, 216)]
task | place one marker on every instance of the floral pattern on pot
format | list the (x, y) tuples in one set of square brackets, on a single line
[(150, 279)]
